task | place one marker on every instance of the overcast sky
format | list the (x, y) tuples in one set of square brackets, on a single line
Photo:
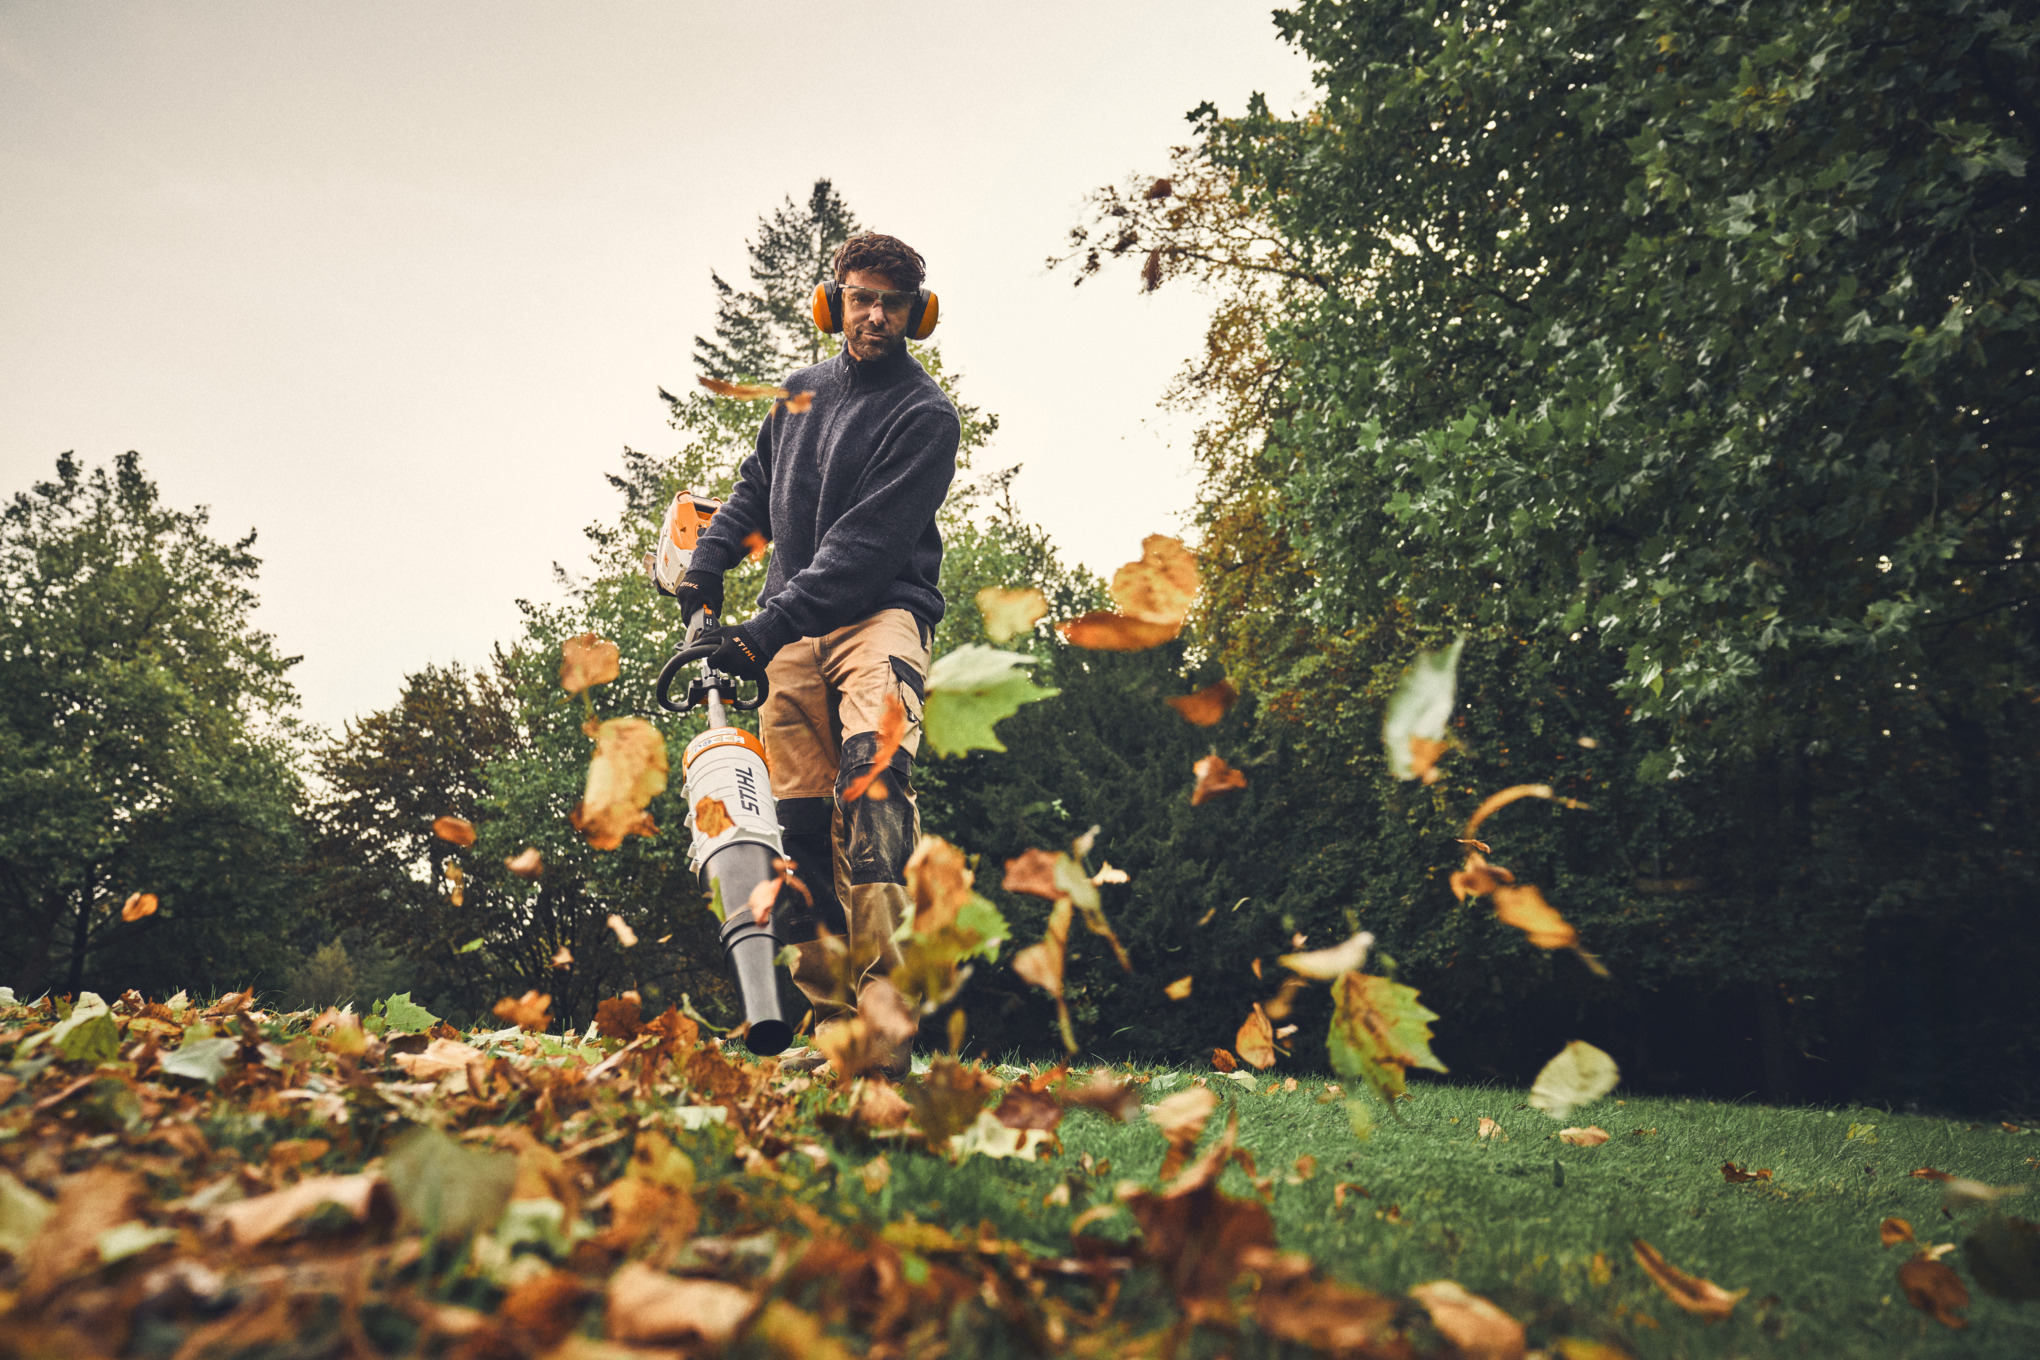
[(393, 284)]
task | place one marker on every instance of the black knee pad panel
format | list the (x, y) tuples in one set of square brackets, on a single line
[(804, 833), (879, 831)]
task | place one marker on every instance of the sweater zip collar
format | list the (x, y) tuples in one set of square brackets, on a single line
[(869, 375)]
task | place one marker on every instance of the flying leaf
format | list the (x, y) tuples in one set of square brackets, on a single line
[(1591, 1136), (625, 936), (1935, 1290), (1107, 874), (1224, 1061), (448, 1190), (892, 730), (526, 863), (1255, 1041), (711, 817), (532, 1011), (939, 882), (1010, 613), (459, 830), (1214, 777), (1179, 989), (1326, 964), (1379, 1031), (1892, 1231), (587, 660), (1702, 1298), (1579, 1075), (970, 690), (1420, 708), (1161, 586), (1207, 705), (1521, 905), (137, 906), (627, 771), (1959, 1193), (1494, 802), (1181, 1118), (743, 391), (1104, 631), (1478, 1329), (1033, 872), (756, 545), (1042, 965), (456, 876), (563, 957)]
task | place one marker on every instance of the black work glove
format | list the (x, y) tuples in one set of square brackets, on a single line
[(700, 590), (739, 655)]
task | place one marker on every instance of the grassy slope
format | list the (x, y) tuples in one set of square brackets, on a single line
[(1490, 1216)]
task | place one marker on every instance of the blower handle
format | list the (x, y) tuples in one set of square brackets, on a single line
[(712, 686)]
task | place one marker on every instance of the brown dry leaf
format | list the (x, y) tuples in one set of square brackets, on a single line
[(1934, 1289), (1326, 964), (563, 957), (257, 1220), (1521, 905), (1255, 1041), (627, 771), (1478, 878), (947, 1099), (459, 830), (1329, 1317), (545, 1307), (1207, 705), (1224, 1061), (526, 863), (1114, 1099), (799, 403), (1180, 988), (743, 391), (1104, 631), (1339, 1193), (1181, 1118), (1703, 1298), (1495, 802), (756, 545), (289, 1153), (1489, 1127), (89, 1204), (532, 1012), (1033, 873), (1201, 1238), (939, 881), (1161, 188), (1306, 1167), (1738, 1175), (619, 1017), (137, 906), (1928, 1173), (1425, 753), (586, 660), (880, 1107), (1042, 964), (1214, 777), (1893, 1231), (877, 1173), (458, 878), (648, 1305), (1027, 1107), (1160, 587), (1591, 1136), (892, 730), (442, 1056), (625, 936), (1478, 1329), (711, 817), (874, 1037), (1009, 613)]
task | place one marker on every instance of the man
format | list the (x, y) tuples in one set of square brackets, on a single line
[(846, 492)]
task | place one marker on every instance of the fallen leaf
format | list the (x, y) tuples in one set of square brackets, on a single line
[(712, 817), (1181, 1118), (532, 1011), (447, 1190), (255, 1220), (1114, 1099), (441, 1057), (1010, 613), (586, 660), (1936, 1290), (647, 1305), (619, 1017), (137, 906), (1179, 989), (1379, 1031), (1105, 631), (94, 1201), (1200, 1238), (1928, 1173), (627, 771), (1207, 705), (892, 730), (563, 957), (1339, 1193), (1224, 1061), (1591, 1136), (459, 830), (1421, 707), (1738, 1175), (1892, 1231), (1214, 777), (1489, 1127), (880, 1107), (1306, 1167), (1255, 1042), (1579, 1075), (625, 936), (526, 863), (1701, 1297), (1326, 964), (545, 1307), (1476, 1327)]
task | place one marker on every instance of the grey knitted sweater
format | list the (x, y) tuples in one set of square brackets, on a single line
[(846, 492)]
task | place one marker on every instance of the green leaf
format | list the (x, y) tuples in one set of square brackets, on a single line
[(406, 1015), (1579, 1075), (470, 947), (96, 1040), (130, 1239), (971, 689), (448, 1190), (1379, 1032), (1422, 706), (984, 920), (22, 1215), (200, 1059)]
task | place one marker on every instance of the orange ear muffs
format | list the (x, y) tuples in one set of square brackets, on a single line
[(826, 307)]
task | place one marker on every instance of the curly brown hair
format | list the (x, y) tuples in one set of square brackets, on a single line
[(880, 254)]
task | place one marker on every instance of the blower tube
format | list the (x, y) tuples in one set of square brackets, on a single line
[(749, 947)]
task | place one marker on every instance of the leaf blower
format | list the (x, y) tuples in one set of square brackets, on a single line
[(734, 822)]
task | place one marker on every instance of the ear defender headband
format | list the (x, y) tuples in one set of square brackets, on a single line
[(827, 309)]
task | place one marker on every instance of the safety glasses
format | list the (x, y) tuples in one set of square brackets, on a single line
[(895, 301)]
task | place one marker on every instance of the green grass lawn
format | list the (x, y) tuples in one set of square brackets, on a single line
[(1493, 1216)]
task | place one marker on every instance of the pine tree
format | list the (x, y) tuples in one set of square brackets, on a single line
[(764, 333)]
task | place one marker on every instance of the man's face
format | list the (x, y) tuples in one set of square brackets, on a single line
[(874, 314)]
